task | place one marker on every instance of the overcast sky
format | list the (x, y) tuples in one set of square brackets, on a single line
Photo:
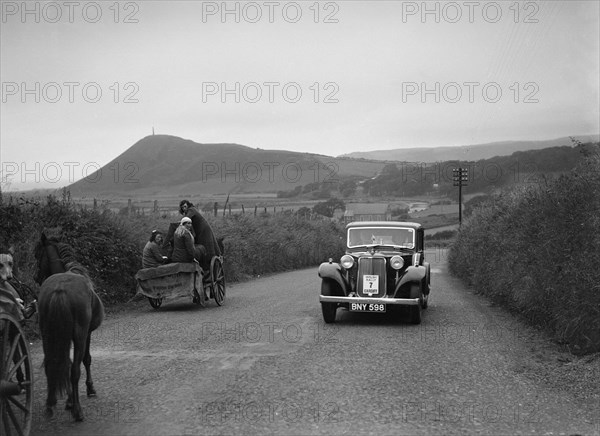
[(327, 77)]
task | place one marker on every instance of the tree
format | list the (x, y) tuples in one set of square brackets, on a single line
[(347, 188), (390, 169), (474, 202), (304, 212), (326, 208)]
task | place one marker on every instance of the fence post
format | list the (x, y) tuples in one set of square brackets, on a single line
[(255, 208), (129, 207), (243, 211), (95, 204), (216, 208), (155, 206)]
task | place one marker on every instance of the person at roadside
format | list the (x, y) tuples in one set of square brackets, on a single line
[(204, 239), (10, 300), (152, 255), (183, 242)]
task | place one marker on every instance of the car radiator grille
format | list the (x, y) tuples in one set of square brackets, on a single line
[(371, 266)]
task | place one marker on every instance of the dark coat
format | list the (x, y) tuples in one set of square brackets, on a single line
[(203, 234)]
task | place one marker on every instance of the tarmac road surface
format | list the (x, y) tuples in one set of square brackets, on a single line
[(266, 363)]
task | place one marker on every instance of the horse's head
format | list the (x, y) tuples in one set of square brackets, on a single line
[(48, 259), (6, 266)]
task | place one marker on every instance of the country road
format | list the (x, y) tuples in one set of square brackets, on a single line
[(265, 363)]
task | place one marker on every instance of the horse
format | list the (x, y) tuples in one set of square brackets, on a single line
[(69, 311)]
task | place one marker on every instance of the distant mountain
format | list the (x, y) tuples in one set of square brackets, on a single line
[(163, 164), (484, 175), (160, 165), (466, 152)]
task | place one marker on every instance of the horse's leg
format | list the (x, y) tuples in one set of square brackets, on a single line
[(69, 402), (78, 351), (50, 398), (87, 362), (51, 380)]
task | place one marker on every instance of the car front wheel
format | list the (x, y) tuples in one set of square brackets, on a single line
[(415, 311), (329, 309)]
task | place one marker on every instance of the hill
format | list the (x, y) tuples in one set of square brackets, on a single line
[(169, 165), (485, 175), (466, 152), (163, 166)]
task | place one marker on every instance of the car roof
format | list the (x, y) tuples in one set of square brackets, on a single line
[(355, 224)]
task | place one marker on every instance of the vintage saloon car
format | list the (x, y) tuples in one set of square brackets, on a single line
[(384, 267)]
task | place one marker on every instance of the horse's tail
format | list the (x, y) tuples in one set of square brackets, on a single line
[(57, 328)]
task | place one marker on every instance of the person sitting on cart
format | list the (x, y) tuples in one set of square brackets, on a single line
[(10, 301), (183, 243), (152, 255), (203, 234)]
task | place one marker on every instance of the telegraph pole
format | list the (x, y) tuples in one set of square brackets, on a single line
[(460, 176)]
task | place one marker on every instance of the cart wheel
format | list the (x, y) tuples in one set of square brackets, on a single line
[(217, 279), (155, 302), (16, 378)]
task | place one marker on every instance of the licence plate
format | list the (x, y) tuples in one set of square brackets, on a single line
[(367, 307), (370, 284)]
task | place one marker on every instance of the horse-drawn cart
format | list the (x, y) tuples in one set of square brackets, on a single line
[(176, 280), (16, 372)]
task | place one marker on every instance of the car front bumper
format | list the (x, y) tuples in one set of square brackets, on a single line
[(369, 300)]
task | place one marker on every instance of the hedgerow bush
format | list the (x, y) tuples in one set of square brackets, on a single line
[(101, 241), (536, 249), (266, 244), (110, 244)]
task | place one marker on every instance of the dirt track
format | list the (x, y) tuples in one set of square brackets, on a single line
[(265, 363)]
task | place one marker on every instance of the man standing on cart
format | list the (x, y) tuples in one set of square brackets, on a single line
[(203, 234)]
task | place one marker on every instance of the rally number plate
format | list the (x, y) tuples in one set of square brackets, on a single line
[(370, 284)]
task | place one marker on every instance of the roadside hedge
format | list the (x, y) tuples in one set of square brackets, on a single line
[(536, 250), (110, 245)]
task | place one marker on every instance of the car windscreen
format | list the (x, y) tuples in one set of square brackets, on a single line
[(393, 236)]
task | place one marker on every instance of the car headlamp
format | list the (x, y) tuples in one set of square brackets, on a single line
[(396, 262), (347, 261)]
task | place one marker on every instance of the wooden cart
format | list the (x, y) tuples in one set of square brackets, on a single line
[(177, 280), (16, 372)]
